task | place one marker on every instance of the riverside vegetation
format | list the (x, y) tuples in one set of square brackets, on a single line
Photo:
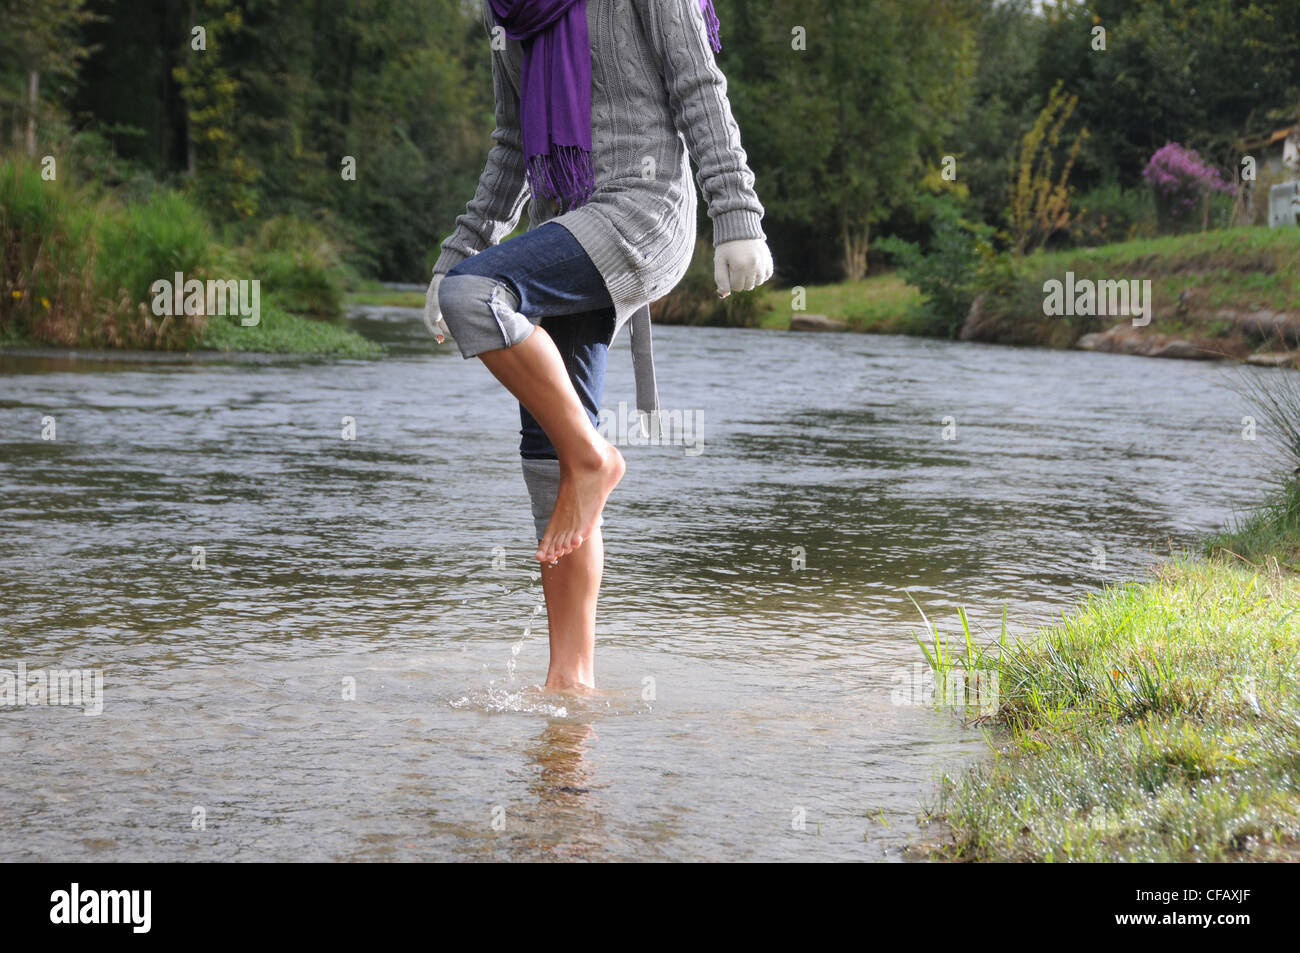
[(78, 263), (1158, 721)]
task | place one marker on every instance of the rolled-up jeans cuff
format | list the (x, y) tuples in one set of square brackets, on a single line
[(482, 313), (542, 478)]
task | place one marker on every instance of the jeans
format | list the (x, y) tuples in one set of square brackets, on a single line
[(541, 277)]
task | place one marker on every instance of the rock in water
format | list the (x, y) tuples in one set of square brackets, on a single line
[(816, 322)]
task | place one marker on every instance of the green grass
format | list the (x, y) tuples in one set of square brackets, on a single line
[(1270, 533), (280, 332), (1192, 277), (1157, 722), (1248, 267), (880, 304), (375, 294)]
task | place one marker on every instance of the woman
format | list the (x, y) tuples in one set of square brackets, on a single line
[(600, 106)]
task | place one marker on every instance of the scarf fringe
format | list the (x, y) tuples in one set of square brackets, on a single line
[(563, 175)]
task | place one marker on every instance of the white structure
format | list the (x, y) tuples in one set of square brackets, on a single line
[(1283, 204)]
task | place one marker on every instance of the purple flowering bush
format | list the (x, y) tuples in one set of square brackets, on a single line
[(1182, 181)]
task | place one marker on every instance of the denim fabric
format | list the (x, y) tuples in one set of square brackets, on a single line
[(557, 286)]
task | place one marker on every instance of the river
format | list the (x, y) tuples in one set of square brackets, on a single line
[(319, 648)]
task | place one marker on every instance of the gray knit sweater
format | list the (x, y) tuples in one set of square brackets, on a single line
[(658, 99)]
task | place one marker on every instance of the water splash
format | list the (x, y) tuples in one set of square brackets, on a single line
[(519, 646), (495, 699)]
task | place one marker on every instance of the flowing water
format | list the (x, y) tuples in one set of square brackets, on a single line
[(315, 647)]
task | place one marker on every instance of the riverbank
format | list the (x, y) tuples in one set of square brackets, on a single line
[(1223, 294), (277, 333), (81, 266), (1231, 294), (1157, 722)]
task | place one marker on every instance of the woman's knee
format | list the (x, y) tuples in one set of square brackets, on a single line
[(482, 312)]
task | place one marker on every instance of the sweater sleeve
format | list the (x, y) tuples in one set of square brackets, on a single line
[(502, 190), (697, 95)]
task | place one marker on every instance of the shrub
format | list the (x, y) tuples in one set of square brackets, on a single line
[(1111, 213), (960, 260), (76, 268), (144, 242), (299, 265), (47, 257), (1182, 183)]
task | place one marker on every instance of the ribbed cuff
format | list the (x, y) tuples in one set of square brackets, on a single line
[(732, 226), (448, 260)]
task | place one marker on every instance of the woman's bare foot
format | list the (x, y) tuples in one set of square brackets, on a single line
[(584, 487)]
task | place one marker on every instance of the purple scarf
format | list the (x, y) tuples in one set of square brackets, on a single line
[(555, 91)]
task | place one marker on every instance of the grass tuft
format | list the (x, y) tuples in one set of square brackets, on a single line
[(1158, 722)]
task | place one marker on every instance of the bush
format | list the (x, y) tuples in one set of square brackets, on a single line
[(1112, 213), (960, 260), (153, 239), (1182, 183), (47, 257), (144, 242), (299, 265), (78, 267)]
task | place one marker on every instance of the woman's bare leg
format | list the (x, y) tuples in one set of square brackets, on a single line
[(572, 587), (590, 466)]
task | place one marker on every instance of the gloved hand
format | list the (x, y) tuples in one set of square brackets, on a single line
[(741, 265), (433, 314)]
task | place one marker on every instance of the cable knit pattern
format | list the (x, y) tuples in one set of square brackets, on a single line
[(658, 99)]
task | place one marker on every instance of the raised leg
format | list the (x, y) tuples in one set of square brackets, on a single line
[(590, 466)]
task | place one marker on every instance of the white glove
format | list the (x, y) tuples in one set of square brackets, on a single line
[(741, 265), (433, 314)]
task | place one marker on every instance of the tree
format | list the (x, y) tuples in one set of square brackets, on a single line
[(846, 126), (38, 38)]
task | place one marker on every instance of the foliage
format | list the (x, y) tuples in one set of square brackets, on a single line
[(1112, 213), (228, 175), (60, 286), (1040, 205), (1182, 181), (40, 39), (153, 239), (299, 265), (948, 273), (840, 129), (48, 255), (843, 134), (280, 332)]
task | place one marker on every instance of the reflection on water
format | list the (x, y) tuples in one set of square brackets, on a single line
[(326, 648)]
